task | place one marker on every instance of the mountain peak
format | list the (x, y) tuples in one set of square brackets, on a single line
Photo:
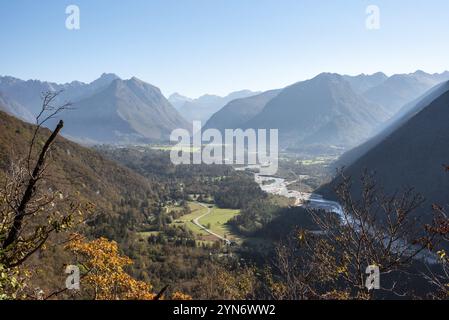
[(135, 79), (324, 110), (109, 76), (104, 80), (137, 83), (420, 73), (379, 74), (328, 75), (177, 95)]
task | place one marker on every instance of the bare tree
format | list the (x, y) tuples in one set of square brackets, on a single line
[(29, 211), (373, 230), (294, 276), (439, 277)]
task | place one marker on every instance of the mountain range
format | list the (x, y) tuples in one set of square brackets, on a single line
[(177, 100), (410, 152), (328, 110), (397, 90), (323, 110), (107, 110), (202, 108), (238, 112)]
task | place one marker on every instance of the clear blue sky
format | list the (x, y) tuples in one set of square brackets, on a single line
[(217, 46)]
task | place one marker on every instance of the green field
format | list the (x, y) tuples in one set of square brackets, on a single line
[(316, 161), (197, 211), (216, 221)]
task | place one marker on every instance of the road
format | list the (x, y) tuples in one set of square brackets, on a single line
[(199, 225)]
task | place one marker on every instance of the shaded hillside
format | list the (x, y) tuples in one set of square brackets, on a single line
[(394, 123), (412, 155), (237, 112), (113, 188), (324, 110)]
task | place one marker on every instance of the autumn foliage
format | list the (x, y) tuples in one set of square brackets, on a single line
[(104, 276)]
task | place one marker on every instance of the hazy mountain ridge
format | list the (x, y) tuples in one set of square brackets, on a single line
[(127, 111), (345, 110), (177, 100), (411, 155), (363, 82), (107, 110), (15, 109), (341, 112), (29, 92), (323, 110), (238, 112), (406, 112), (399, 89), (202, 108)]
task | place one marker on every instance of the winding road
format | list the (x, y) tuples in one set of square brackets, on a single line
[(199, 225)]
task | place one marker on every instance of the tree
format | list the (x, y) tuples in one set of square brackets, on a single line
[(228, 282), (440, 229), (294, 276), (372, 229), (30, 212), (104, 276)]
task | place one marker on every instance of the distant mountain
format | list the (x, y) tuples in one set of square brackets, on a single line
[(238, 112), (400, 89), (412, 155), (107, 110), (126, 111), (29, 93), (15, 109), (324, 110), (204, 107), (26, 93), (362, 83), (401, 117), (178, 100)]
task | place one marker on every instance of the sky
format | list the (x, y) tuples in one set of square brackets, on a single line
[(218, 46)]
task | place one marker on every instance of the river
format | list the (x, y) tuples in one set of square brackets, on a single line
[(279, 186)]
